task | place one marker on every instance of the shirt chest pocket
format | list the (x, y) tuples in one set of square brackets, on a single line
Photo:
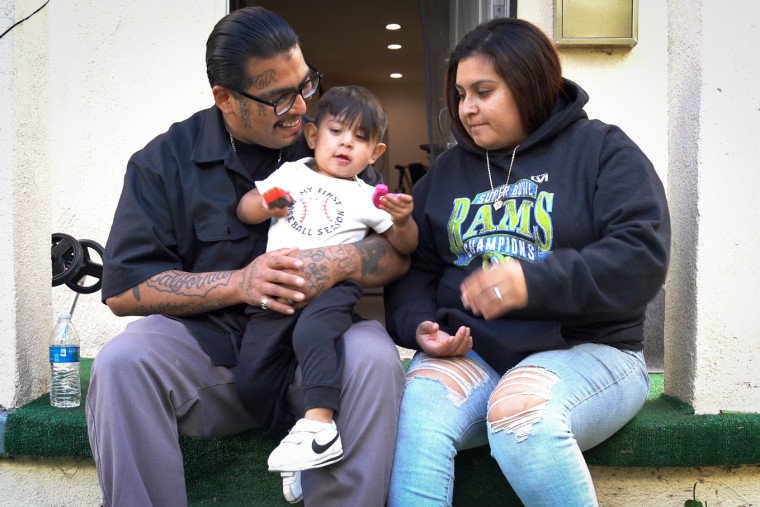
[(215, 227)]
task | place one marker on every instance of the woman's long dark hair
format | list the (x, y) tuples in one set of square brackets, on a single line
[(524, 57)]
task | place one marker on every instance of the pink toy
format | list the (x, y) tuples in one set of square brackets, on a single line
[(380, 191)]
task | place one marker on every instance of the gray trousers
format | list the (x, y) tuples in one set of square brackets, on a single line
[(154, 382)]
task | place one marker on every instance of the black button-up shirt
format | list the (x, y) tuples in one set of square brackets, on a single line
[(177, 212)]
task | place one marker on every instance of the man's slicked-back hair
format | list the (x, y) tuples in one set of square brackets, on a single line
[(251, 32), (354, 105)]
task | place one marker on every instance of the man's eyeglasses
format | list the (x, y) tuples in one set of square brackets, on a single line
[(285, 101)]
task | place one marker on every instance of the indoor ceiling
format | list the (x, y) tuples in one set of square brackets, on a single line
[(346, 39)]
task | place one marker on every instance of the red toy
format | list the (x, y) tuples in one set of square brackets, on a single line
[(277, 198)]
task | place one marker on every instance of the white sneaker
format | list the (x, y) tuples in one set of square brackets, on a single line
[(291, 486), (310, 444)]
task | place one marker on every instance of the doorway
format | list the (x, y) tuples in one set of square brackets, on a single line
[(347, 41)]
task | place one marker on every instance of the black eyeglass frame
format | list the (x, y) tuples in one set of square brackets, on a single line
[(292, 93)]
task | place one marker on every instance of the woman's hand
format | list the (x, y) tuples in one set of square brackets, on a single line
[(437, 343), (495, 291)]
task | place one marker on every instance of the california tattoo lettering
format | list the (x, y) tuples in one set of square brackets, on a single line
[(189, 284)]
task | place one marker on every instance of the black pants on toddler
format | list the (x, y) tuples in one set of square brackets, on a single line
[(275, 343)]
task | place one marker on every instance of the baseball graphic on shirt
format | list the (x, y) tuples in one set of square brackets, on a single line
[(318, 210)]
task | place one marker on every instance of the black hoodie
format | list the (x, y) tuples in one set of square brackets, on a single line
[(585, 214)]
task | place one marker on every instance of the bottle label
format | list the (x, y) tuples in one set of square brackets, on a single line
[(64, 354)]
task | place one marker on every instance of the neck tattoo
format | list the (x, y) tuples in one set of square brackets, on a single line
[(498, 203)]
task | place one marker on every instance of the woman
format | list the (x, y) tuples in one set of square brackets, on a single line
[(543, 236)]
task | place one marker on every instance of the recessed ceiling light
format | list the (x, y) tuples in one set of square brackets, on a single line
[(397, 75), (392, 26), (394, 46)]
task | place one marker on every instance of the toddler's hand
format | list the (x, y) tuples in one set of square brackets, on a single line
[(399, 206), (276, 202)]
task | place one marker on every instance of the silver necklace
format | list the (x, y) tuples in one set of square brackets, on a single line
[(232, 139), (234, 148), (498, 203)]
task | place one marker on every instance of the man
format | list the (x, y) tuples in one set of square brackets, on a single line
[(178, 255)]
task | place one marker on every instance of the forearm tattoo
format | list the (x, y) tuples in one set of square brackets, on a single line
[(371, 251), (192, 292), (320, 266), (189, 284), (325, 266)]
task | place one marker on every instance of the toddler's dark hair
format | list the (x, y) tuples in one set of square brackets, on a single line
[(354, 105)]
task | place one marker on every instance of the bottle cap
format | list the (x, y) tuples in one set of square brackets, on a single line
[(64, 316)]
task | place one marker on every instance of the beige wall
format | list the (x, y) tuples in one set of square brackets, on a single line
[(627, 86), (407, 126)]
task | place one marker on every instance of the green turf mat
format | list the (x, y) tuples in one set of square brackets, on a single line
[(232, 471), (38, 429)]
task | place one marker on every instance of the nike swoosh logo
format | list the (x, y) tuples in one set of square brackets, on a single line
[(319, 449)]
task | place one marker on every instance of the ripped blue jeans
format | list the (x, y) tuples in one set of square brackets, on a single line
[(537, 418)]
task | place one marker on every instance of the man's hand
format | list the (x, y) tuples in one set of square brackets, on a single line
[(275, 278)]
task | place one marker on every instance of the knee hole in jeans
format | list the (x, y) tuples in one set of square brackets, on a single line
[(459, 375), (519, 400)]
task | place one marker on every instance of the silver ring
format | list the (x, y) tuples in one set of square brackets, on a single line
[(497, 292), (264, 303)]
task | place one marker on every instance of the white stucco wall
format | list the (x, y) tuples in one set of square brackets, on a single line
[(24, 204), (120, 73), (684, 97), (712, 327), (729, 192)]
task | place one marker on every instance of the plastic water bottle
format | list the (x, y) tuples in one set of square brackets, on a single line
[(65, 388)]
